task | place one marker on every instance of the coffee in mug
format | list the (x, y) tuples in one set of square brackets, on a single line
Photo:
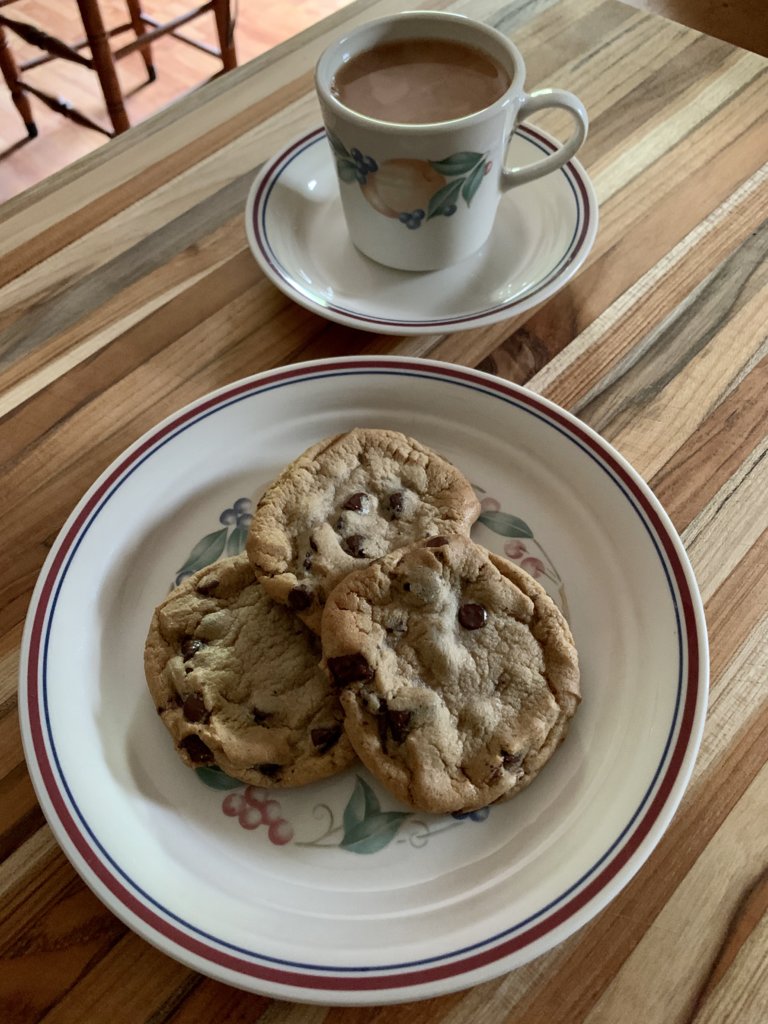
[(420, 81), (419, 109)]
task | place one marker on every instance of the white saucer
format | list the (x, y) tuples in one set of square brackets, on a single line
[(295, 227)]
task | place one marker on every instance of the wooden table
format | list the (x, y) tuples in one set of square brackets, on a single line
[(127, 289)]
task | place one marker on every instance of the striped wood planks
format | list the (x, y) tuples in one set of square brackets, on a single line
[(127, 289)]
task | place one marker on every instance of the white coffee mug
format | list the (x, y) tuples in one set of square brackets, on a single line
[(424, 196)]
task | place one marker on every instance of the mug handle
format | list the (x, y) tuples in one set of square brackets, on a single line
[(537, 101)]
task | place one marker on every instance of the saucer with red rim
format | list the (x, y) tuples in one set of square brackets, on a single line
[(544, 231)]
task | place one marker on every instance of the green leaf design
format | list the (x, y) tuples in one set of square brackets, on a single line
[(505, 524), (362, 804), (337, 145), (374, 832), (205, 551), (216, 778), (236, 540), (347, 170), (444, 197), (459, 163), (472, 183)]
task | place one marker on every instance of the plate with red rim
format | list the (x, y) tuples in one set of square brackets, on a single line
[(335, 893), (543, 233)]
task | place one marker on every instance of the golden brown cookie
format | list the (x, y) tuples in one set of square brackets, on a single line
[(343, 503), (236, 681), (457, 672)]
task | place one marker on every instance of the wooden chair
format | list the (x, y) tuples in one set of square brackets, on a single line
[(102, 57)]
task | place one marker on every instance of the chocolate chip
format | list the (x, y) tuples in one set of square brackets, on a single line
[(350, 668), (399, 723), (357, 502), (307, 563), (381, 723), (270, 770), (435, 542), (512, 760), (396, 504), (190, 645), (312, 545), (299, 599), (407, 587), (325, 737), (392, 723), (208, 586), (194, 709), (354, 545), (260, 717), (197, 751), (472, 616), (495, 774)]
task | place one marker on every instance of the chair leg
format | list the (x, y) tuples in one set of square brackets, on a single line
[(134, 9), (11, 76), (225, 27), (104, 65)]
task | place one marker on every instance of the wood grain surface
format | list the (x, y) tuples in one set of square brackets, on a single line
[(127, 289)]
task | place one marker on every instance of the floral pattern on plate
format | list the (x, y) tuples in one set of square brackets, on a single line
[(362, 826), (228, 540), (521, 546)]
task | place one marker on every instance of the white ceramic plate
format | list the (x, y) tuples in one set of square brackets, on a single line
[(350, 898), (295, 227)]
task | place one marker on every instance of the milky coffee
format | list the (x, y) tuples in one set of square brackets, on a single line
[(420, 81)]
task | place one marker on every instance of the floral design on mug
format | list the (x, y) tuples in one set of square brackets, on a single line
[(411, 190)]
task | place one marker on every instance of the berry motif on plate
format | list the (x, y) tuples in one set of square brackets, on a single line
[(521, 546), (229, 539), (362, 827), (479, 815), (253, 808), (410, 190)]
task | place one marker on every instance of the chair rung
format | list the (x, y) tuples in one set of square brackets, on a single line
[(36, 37), (65, 108), (161, 30), (79, 45), (213, 51)]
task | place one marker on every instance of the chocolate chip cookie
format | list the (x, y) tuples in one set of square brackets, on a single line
[(236, 680), (346, 501), (457, 672)]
